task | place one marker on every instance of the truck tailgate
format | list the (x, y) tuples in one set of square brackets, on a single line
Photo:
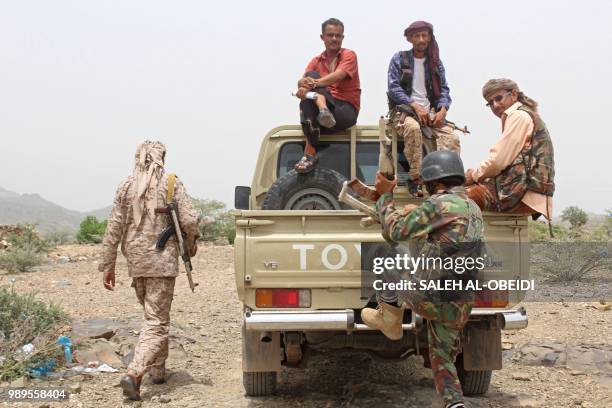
[(322, 251)]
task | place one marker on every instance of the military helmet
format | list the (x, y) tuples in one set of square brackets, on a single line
[(441, 164)]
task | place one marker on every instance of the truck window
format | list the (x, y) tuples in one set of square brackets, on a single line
[(402, 165), (367, 161), (336, 156), (333, 155)]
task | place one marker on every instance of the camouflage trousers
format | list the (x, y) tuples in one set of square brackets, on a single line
[(155, 295), (410, 132), (445, 320), (483, 194)]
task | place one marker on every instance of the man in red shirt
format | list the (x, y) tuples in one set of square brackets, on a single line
[(334, 78)]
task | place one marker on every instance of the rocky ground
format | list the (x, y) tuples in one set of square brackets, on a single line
[(563, 359)]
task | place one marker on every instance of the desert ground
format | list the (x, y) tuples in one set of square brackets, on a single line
[(563, 358)]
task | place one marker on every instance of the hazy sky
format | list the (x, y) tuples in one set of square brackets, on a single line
[(83, 82)]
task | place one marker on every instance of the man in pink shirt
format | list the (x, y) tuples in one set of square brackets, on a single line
[(518, 176), (332, 80)]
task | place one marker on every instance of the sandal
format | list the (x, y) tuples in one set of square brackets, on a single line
[(306, 164)]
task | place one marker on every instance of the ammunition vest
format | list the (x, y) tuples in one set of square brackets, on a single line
[(407, 68), (532, 169)]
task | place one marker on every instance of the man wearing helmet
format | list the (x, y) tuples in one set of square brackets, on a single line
[(518, 176), (419, 98), (447, 225), (135, 224)]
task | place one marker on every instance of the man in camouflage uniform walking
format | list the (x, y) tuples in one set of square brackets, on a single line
[(134, 222), (447, 225)]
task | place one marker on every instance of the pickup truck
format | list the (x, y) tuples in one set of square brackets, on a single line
[(302, 257)]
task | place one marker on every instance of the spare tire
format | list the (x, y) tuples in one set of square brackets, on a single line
[(316, 190)]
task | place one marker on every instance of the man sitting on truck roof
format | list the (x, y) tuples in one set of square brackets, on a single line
[(518, 176), (419, 97), (447, 226), (329, 90)]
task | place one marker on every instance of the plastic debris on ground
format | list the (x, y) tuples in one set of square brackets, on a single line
[(65, 342), (77, 370), (43, 369), (46, 368), (27, 348)]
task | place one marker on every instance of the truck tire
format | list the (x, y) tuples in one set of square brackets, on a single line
[(473, 382), (317, 190), (259, 384)]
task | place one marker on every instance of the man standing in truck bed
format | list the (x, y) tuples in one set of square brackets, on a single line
[(135, 223), (419, 97), (334, 78), (448, 226)]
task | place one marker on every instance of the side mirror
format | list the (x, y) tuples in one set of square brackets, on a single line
[(242, 196)]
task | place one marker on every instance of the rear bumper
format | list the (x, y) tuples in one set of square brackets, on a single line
[(322, 320)]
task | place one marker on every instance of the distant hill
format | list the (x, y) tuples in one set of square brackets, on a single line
[(32, 208)]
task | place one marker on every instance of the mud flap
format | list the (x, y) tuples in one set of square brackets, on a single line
[(482, 346), (259, 356)]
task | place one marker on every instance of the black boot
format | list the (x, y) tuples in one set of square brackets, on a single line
[(131, 387)]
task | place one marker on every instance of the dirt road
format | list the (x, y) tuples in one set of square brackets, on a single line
[(563, 359)]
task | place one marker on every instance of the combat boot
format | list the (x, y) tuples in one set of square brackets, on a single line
[(131, 387), (386, 318), (158, 374)]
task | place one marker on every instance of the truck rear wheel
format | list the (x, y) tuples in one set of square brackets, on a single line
[(259, 384), (317, 190), (473, 382)]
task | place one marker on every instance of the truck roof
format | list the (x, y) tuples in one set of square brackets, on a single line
[(292, 131)]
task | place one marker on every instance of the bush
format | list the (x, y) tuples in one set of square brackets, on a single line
[(25, 320), (223, 227), (20, 259), (608, 223), (601, 233), (59, 237), (26, 250), (29, 238), (575, 216), (539, 232), (91, 230), (572, 261)]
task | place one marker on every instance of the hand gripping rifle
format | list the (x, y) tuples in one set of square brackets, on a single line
[(174, 228)]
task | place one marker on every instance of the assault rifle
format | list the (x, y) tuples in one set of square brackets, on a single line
[(175, 229)]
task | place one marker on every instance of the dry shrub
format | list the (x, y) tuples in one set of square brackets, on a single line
[(573, 261), (25, 320), (27, 249)]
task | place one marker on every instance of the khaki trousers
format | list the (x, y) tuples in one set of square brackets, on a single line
[(155, 295)]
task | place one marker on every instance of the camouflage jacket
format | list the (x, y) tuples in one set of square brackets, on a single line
[(138, 241), (448, 224), (533, 168), (448, 217)]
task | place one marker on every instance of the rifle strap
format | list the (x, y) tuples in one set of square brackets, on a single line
[(170, 192)]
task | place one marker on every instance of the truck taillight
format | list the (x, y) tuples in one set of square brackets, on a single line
[(491, 298), (282, 297)]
